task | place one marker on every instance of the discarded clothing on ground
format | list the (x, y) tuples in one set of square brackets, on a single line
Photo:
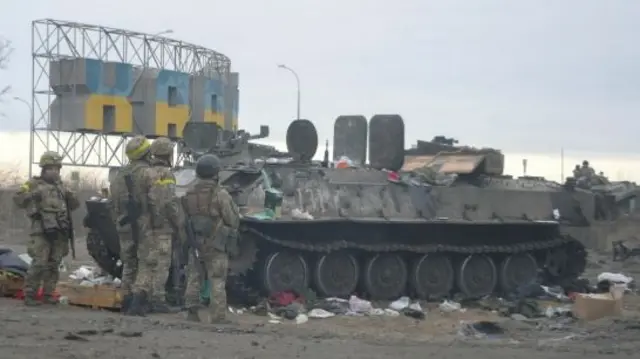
[(11, 262)]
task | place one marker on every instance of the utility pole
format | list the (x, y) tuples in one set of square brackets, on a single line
[(31, 132), (562, 165), (285, 67)]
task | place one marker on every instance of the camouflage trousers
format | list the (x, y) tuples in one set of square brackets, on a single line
[(129, 258), (217, 264), (155, 262), (46, 257)]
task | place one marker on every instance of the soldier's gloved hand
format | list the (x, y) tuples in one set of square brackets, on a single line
[(68, 192)]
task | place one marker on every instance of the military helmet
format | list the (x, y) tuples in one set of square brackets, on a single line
[(137, 147), (208, 166), (585, 163), (50, 158), (162, 146)]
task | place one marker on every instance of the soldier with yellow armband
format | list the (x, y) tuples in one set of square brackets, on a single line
[(131, 207), (166, 217), (48, 203)]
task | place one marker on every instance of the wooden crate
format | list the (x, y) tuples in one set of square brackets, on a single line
[(10, 285), (97, 296)]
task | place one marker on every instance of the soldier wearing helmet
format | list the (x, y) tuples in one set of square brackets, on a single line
[(133, 228), (48, 203), (214, 218), (586, 171), (155, 255)]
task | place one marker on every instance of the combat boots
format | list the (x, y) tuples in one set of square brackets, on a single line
[(161, 307), (192, 314), (126, 303), (216, 318), (50, 300), (138, 306), (30, 300)]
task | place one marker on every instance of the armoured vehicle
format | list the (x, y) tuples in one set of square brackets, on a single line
[(385, 232)]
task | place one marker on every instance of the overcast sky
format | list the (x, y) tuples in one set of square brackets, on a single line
[(526, 76)]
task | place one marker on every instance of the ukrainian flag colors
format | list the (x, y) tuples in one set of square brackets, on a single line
[(93, 95)]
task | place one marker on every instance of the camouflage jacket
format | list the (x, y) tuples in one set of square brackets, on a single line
[(163, 194), (142, 182), (208, 198), (46, 204)]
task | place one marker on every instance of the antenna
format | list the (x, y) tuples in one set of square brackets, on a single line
[(561, 164)]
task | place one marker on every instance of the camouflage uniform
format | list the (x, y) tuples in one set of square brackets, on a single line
[(207, 201), (137, 151), (46, 199), (577, 172), (587, 171), (155, 255)]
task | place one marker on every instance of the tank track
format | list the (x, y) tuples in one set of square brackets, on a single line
[(423, 248), (263, 247), (572, 251)]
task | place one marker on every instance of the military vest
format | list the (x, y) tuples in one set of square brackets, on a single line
[(52, 208), (204, 216)]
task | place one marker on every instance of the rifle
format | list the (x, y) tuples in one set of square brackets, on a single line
[(195, 246), (72, 233), (133, 210), (176, 260)]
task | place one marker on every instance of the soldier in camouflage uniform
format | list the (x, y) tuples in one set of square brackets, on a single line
[(155, 255), (577, 172), (48, 203), (586, 170), (139, 167), (214, 220)]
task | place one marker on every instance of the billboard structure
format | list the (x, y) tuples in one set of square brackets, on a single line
[(94, 86)]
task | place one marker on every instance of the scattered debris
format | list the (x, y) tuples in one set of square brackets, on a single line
[(299, 214), (320, 313), (591, 306), (481, 329), (450, 306), (606, 279), (400, 303), (76, 337), (80, 335), (621, 252), (90, 276)]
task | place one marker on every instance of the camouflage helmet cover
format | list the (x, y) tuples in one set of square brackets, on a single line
[(208, 166), (162, 146), (137, 147), (50, 158)]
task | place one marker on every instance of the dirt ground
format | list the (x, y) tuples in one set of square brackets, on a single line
[(72, 332)]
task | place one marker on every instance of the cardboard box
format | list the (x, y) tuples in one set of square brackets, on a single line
[(596, 306)]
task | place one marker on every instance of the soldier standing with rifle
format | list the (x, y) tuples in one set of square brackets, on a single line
[(49, 204), (212, 221), (130, 205), (155, 261)]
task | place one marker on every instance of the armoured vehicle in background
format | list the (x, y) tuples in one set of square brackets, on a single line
[(385, 232)]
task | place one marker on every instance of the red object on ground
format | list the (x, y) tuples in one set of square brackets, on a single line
[(39, 295), (282, 299), (393, 176)]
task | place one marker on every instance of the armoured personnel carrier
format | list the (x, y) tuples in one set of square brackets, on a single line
[(385, 232)]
